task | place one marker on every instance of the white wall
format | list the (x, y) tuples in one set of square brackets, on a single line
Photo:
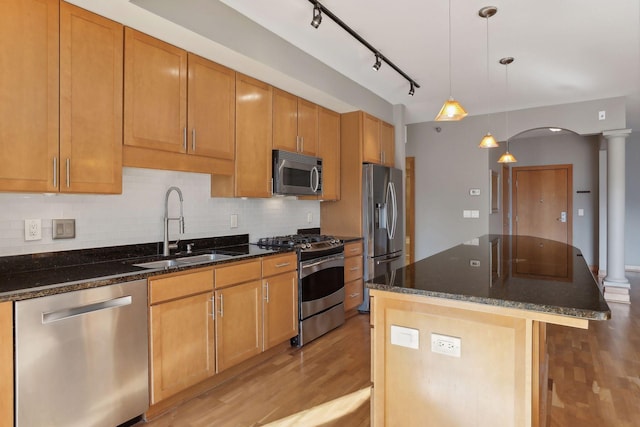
[(632, 220), (136, 216)]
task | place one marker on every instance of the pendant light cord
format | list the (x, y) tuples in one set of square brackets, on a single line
[(488, 81), (506, 71), (450, 86)]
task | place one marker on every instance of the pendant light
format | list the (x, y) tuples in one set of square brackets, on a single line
[(507, 157), (488, 141), (451, 110)]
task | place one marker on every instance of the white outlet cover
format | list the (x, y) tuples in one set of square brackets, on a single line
[(32, 229), (445, 344)]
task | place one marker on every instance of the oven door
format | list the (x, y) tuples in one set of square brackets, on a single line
[(321, 284)]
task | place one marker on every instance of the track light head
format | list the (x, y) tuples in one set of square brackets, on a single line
[(412, 89), (378, 63), (317, 17)]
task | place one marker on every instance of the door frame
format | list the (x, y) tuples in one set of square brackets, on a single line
[(514, 193)]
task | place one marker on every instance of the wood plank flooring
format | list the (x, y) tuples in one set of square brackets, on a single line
[(595, 375)]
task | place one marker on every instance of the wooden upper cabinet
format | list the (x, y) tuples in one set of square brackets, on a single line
[(329, 151), (253, 137), (29, 68), (295, 123), (308, 127), (387, 145), (377, 141), (211, 112), (91, 58), (155, 93)]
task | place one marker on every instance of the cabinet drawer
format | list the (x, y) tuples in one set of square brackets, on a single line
[(163, 288), (353, 249), (277, 264), (352, 268), (353, 292), (235, 273)]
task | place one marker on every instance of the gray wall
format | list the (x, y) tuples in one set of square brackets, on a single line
[(448, 164), (632, 241)]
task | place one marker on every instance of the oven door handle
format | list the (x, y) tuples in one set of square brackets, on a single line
[(308, 269)]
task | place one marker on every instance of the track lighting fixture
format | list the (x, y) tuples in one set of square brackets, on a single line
[(319, 9), (317, 16), (377, 65)]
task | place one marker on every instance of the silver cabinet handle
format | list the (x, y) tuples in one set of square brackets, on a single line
[(282, 264), (193, 140), (266, 288), (353, 295), (298, 143), (302, 144), (221, 306), (213, 307), (66, 313), (55, 172), (354, 268), (68, 172), (184, 139)]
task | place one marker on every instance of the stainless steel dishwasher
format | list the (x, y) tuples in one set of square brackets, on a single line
[(81, 357)]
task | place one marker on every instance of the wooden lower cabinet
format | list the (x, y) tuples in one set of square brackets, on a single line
[(353, 294), (6, 364), (353, 275), (182, 350), (280, 308), (238, 323)]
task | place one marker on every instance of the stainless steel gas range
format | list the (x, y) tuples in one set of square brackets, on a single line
[(320, 282)]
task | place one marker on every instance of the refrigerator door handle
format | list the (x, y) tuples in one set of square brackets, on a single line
[(391, 229)]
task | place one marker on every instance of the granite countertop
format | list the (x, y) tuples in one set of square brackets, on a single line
[(520, 272), (36, 275)]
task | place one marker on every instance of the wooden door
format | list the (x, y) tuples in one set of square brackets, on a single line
[(238, 323), (371, 139), (410, 223), (506, 186), (253, 137), (540, 196), (211, 109), (91, 61), (387, 145), (29, 70), (285, 121), (155, 93), (308, 127), (280, 297), (329, 151), (182, 344)]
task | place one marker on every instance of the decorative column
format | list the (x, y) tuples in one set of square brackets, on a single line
[(616, 285)]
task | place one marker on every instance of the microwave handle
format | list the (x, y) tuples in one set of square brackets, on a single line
[(315, 187)]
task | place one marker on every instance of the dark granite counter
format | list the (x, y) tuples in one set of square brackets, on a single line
[(35, 275), (518, 272)]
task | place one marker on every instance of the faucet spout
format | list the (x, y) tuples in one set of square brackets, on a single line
[(166, 245)]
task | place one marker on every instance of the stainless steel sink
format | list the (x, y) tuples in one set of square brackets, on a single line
[(184, 261)]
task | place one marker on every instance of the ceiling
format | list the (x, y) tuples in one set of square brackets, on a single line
[(565, 51)]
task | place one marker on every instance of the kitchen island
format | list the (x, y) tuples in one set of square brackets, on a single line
[(459, 338)]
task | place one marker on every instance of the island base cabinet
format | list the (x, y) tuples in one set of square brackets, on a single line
[(497, 379), (6, 363)]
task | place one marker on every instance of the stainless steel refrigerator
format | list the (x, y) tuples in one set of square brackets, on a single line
[(382, 223)]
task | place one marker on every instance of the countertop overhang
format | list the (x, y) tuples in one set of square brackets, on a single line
[(519, 272)]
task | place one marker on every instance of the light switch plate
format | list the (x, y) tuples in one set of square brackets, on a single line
[(474, 192), (64, 229), (234, 221), (405, 337)]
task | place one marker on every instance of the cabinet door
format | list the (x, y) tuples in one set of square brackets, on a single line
[(371, 139), (238, 323), (211, 112), (387, 145), (253, 137), (353, 294), (29, 101), (280, 294), (155, 93), (91, 58), (329, 151), (6, 363), (308, 127), (182, 344), (285, 121)]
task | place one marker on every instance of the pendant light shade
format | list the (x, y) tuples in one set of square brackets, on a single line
[(507, 157), (451, 110), (488, 141)]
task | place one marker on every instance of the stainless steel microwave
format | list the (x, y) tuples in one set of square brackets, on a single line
[(296, 174)]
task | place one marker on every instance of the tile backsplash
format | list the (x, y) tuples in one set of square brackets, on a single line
[(136, 215)]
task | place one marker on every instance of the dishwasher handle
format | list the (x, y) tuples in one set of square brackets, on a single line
[(65, 313)]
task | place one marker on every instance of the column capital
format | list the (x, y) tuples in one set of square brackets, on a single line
[(616, 133)]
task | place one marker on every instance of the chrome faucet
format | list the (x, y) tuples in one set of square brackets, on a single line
[(168, 246)]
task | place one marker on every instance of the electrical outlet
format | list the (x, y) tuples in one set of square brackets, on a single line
[(602, 115), (474, 263), (32, 229), (445, 344)]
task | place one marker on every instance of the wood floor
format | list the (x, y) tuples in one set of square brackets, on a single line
[(594, 373)]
